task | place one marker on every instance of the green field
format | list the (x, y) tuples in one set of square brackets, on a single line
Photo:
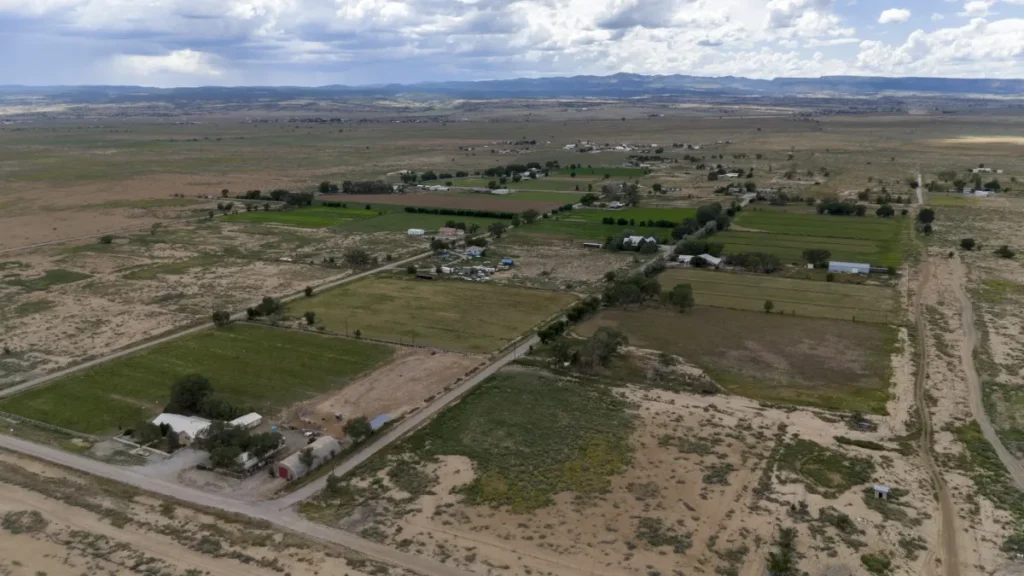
[(402, 221), (586, 224), (791, 297), (315, 217), (600, 171), (559, 197), (870, 239), (263, 368), (452, 314), (48, 279), (818, 362)]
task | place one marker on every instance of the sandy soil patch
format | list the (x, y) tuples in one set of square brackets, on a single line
[(401, 386), (981, 140), (560, 266)]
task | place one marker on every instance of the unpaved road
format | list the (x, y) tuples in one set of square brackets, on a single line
[(948, 530), (327, 283), (970, 342)]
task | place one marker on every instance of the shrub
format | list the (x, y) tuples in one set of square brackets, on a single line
[(411, 269), (967, 244), (107, 239), (830, 277), (1005, 251), (876, 564)]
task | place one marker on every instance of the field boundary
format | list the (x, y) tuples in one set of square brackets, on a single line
[(333, 334), (30, 421)]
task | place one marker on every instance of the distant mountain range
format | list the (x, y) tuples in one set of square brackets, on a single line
[(614, 86)]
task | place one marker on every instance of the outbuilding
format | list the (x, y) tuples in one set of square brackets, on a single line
[(881, 491), (711, 261), (250, 420), (849, 268), (475, 251), (379, 422), (685, 259), (323, 449), (417, 232)]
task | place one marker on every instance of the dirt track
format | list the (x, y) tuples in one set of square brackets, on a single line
[(950, 554)]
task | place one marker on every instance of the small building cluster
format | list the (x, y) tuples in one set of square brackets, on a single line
[(849, 268), (188, 428), (708, 260), (322, 450)]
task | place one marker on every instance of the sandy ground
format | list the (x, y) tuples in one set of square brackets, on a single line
[(412, 378), (129, 297), (731, 526), (70, 539), (565, 265)]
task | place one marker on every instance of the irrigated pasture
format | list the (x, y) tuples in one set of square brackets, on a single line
[(388, 218), (456, 315), (586, 224), (252, 366), (811, 361), (850, 238), (315, 217), (468, 201), (789, 296)]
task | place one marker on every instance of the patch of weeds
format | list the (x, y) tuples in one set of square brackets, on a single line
[(48, 279), (688, 444), (824, 471), (890, 508), (839, 520), (718, 474), (645, 491), (911, 546), (783, 561), (375, 533), (876, 564), (208, 545), (992, 480), (654, 532), (409, 478), (24, 522)]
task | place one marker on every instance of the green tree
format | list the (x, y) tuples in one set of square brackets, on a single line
[(885, 211), (497, 229), (769, 306), (530, 216), (307, 458), (926, 216), (221, 318), (1005, 251), (310, 318), (681, 296), (309, 289), (818, 257), (107, 239), (967, 244), (357, 257), (225, 456), (325, 187), (359, 429), (188, 394)]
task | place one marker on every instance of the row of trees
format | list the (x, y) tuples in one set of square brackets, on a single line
[(460, 212), (193, 395), (1003, 251)]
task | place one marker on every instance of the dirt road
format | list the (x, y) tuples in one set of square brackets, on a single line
[(970, 342), (948, 531), (327, 283)]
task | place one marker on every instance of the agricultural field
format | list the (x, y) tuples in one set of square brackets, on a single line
[(870, 239), (313, 217), (464, 201), (553, 474), (457, 315), (243, 362), (806, 361), (855, 302), (586, 225)]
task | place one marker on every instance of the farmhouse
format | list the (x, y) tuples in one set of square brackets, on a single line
[(635, 241), (849, 268), (711, 261), (186, 427), (451, 232), (325, 448)]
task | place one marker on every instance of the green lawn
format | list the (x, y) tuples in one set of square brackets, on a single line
[(314, 217), (264, 368), (402, 221), (48, 279), (809, 361), (792, 297), (870, 239), (453, 314)]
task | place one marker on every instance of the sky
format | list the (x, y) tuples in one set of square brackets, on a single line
[(171, 43)]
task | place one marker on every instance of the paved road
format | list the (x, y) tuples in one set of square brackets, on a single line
[(329, 283), (405, 426), (286, 520), (920, 188)]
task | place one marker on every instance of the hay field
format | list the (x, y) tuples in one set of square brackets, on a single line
[(263, 368), (738, 291), (808, 361), (456, 315)]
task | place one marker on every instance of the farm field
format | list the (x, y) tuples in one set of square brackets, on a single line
[(456, 315), (586, 224), (313, 217), (402, 221), (791, 297), (245, 364), (859, 239), (600, 172), (465, 201), (809, 361), (550, 184)]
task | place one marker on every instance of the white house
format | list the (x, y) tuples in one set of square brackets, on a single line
[(325, 448), (616, 204), (712, 261), (635, 241), (186, 427), (849, 268), (981, 170)]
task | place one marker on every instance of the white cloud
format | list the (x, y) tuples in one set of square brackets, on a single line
[(937, 17), (894, 16), (185, 62), (977, 8)]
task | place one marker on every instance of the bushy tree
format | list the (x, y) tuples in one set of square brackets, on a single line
[(1005, 251), (681, 297), (310, 318), (309, 291), (359, 429), (497, 229), (600, 347), (885, 211), (967, 244), (221, 318), (926, 216), (530, 216), (188, 394), (357, 257), (769, 306), (818, 257)]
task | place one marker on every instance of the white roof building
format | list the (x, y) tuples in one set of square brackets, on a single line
[(712, 260), (250, 420), (325, 448), (637, 240), (187, 427), (417, 232), (849, 267)]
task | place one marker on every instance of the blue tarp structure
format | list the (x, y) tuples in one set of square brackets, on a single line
[(379, 422), (507, 262)]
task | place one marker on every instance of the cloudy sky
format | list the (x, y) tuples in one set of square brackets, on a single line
[(316, 42)]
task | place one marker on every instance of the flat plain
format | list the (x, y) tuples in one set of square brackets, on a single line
[(855, 302), (462, 316), (243, 362)]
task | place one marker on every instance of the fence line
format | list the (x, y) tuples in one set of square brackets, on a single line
[(32, 422)]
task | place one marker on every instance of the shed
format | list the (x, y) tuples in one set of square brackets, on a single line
[(378, 422), (849, 267), (417, 232), (712, 261), (685, 260), (592, 245), (324, 448), (508, 262), (186, 427), (881, 491), (475, 251), (250, 420)]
